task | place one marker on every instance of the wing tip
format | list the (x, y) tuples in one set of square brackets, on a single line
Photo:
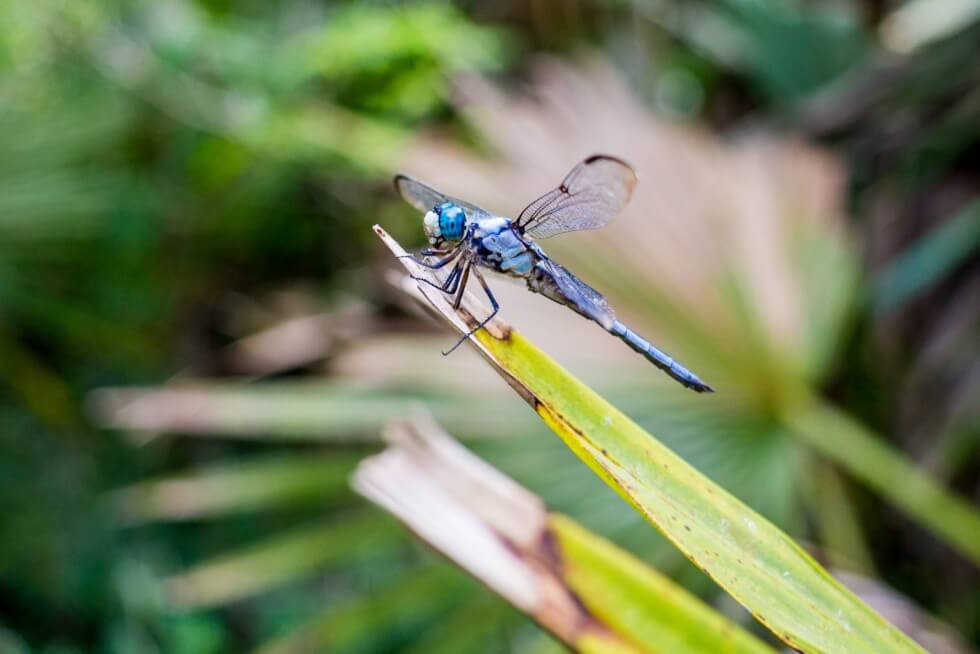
[(596, 157), (608, 157), (622, 162)]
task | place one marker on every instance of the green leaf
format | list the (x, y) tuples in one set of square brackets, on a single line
[(421, 597), (638, 602), (793, 49), (759, 565), (234, 488), (841, 439), (751, 558), (258, 568), (469, 628), (928, 260)]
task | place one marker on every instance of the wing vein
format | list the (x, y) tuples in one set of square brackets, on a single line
[(602, 186)]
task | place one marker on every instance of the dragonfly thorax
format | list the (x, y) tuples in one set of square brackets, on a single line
[(446, 222)]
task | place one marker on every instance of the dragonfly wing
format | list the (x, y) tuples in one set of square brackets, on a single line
[(590, 196), (423, 197), (574, 293)]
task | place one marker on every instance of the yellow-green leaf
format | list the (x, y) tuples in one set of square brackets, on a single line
[(638, 602), (759, 565)]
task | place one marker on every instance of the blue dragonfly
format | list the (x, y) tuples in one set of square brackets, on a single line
[(470, 238)]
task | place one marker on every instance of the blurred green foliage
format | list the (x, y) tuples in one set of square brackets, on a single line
[(161, 162), (154, 156)]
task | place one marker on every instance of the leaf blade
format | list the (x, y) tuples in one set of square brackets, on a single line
[(775, 579)]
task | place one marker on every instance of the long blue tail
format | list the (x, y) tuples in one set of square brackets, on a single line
[(659, 358)]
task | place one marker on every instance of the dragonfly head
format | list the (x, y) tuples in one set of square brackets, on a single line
[(446, 222)]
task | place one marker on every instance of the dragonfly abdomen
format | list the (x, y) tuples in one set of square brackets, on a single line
[(554, 282), (659, 358)]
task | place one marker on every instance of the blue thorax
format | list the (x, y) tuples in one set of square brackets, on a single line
[(499, 247)]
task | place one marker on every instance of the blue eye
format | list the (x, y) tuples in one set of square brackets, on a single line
[(452, 221)]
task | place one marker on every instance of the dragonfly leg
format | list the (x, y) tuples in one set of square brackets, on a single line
[(456, 277), (451, 283), (427, 252), (493, 303), (462, 286)]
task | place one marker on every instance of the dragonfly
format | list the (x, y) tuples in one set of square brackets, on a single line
[(471, 239)]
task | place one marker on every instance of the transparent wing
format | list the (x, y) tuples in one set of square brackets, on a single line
[(423, 197), (580, 296), (590, 196)]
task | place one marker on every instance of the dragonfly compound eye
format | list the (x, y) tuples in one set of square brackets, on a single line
[(452, 221)]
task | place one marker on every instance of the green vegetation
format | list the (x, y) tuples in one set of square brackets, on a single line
[(200, 338)]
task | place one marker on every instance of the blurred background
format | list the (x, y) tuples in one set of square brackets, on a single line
[(199, 339)]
